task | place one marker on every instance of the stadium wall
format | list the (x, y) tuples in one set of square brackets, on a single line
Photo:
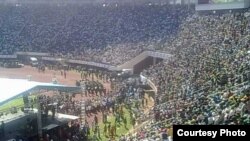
[(158, 56), (222, 6), (147, 81)]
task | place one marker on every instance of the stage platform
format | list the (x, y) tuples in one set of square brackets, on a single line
[(16, 126)]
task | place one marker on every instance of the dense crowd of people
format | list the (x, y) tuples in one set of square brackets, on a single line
[(206, 82), (70, 31), (10, 64), (130, 97)]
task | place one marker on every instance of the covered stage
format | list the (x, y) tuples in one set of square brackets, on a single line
[(13, 88)]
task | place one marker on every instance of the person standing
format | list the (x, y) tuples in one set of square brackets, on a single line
[(125, 122), (65, 75), (98, 131), (2, 127), (104, 119), (53, 111), (105, 130), (96, 120), (109, 129), (82, 75)]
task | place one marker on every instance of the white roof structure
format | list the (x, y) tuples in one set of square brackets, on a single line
[(12, 88), (33, 59)]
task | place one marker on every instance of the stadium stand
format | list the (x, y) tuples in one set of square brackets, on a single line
[(70, 31), (206, 81)]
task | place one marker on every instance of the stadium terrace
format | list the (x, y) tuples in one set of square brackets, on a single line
[(124, 71)]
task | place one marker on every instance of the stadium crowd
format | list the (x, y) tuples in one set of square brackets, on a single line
[(70, 31), (205, 82)]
